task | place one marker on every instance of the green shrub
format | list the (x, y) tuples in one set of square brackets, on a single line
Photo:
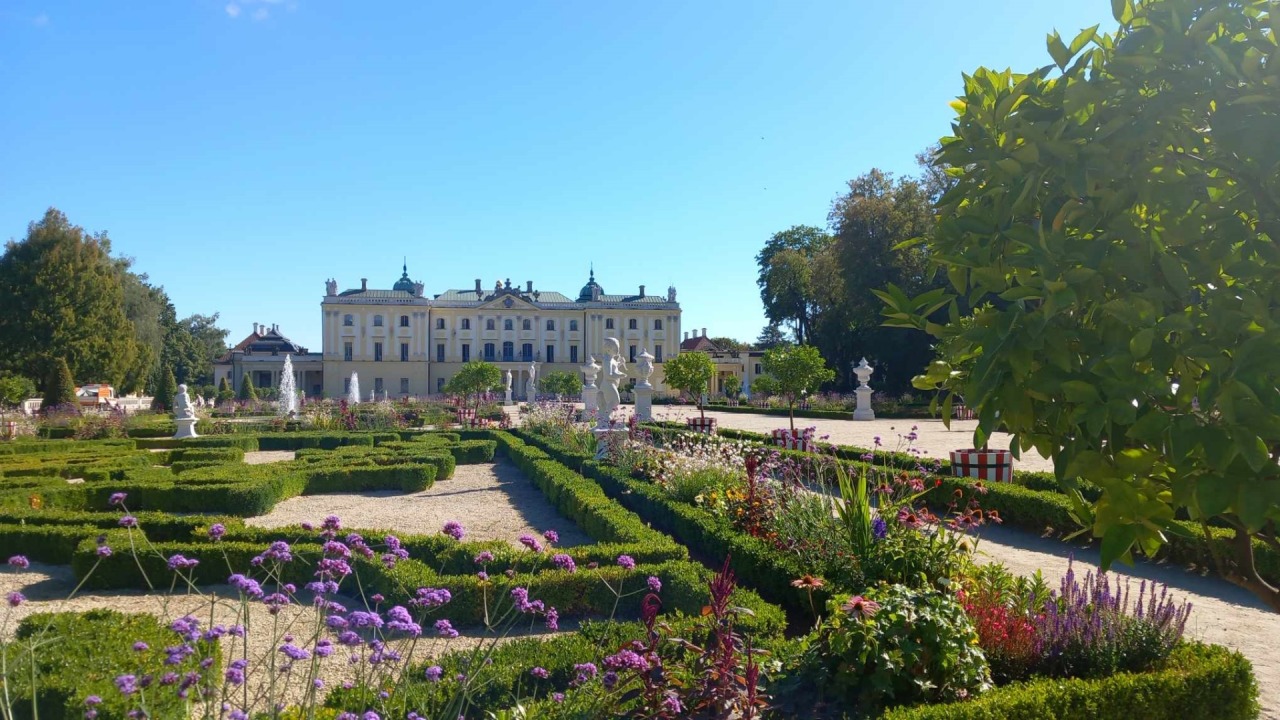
[(473, 452)]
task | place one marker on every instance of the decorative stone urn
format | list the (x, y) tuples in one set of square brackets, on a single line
[(863, 391)]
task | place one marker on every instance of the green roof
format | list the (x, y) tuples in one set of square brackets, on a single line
[(377, 294)]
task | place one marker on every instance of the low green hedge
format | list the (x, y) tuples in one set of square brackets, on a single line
[(473, 452), (1196, 682), (80, 654)]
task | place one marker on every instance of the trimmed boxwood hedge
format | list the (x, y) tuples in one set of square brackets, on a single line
[(1196, 682)]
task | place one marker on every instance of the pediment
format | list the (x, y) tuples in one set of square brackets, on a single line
[(508, 302)]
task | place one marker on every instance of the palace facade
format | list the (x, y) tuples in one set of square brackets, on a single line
[(403, 343)]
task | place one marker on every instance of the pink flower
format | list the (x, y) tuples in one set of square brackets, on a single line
[(860, 607)]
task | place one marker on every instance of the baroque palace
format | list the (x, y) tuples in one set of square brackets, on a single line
[(403, 343)]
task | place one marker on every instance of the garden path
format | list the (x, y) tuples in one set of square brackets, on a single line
[(264, 457), (933, 439), (1221, 612), (493, 501)]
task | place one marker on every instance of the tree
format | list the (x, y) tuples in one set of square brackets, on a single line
[(15, 389), (1113, 225), (247, 390), (690, 372), (561, 384), (729, 345), (59, 387), (225, 392), (473, 380), (732, 386), (166, 390), (791, 371), (785, 276), (771, 336), (63, 298)]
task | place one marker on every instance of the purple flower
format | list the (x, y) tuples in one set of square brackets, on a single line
[(433, 673), (671, 703), (879, 528), (557, 697), (129, 521), (235, 672), (626, 562), (16, 599), (431, 598), (553, 619), (551, 536), (454, 529), (564, 562), (140, 646), (278, 551), (540, 673), (103, 551), (655, 584), (117, 498), (445, 629), (482, 575), (179, 562), (246, 585), (294, 652), (93, 700), (484, 557), (609, 679), (362, 619), (19, 561), (626, 660), (216, 531), (127, 684), (531, 542)]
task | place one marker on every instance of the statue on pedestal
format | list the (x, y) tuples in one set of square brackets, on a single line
[(184, 414), (531, 384), (863, 392), (590, 393), (615, 370), (507, 400), (644, 368), (643, 390)]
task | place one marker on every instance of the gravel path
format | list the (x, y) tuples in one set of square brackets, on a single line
[(1221, 612), (933, 438), (47, 587), (493, 501), (263, 457)]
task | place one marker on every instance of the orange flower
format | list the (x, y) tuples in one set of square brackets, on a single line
[(36, 502)]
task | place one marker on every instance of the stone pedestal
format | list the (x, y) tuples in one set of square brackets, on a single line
[(590, 393), (607, 437), (863, 392), (644, 403), (186, 428)]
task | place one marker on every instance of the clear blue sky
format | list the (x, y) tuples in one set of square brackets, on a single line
[(244, 152)]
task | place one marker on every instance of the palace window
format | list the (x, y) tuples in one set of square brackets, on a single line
[(573, 326), (573, 354), (526, 352), (439, 323), (632, 324), (404, 321), (439, 384), (608, 323), (551, 324), (439, 352), (346, 385), (346, 351), (377, 352), (377, 321), (348, 321), (551, 353), (466, 352), (488, 351), (488, 324), (527, 325), (377, 386), (404, 386), (466, 323), (632, 353), (758, 369), (404, 352), (657, 324), (657, 353), (508, 351), (508, 325)]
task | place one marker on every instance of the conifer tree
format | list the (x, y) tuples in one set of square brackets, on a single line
[(225, 392), (247, 391), (166, 389), (59, 387)]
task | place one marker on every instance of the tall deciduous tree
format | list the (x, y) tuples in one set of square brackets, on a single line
[(690, 372), (786, 277), (63, 298), (1114, 224), (791, 372), (561, 384), (15, 389)]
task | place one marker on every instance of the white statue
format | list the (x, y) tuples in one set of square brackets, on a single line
[(507, 400), (531, 384), (184, 414), (330, 287), (614, 372)]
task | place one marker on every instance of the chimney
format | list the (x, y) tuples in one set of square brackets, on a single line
[(364, 283), (704, 332), (255, 328), (641, 291), (528, 284), (686, 334), (479, 291)]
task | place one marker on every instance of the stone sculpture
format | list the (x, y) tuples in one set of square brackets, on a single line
[(590, 393), (863, 392), (184, 414), (507, 400)]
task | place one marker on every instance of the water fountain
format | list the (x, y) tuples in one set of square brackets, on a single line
[(288, 405), (353, 392)]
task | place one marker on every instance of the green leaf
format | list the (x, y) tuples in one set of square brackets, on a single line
[(1122, 11), (1116, 545), (1214, 494), (1140, 343), (1061, 55), (1083, 39), (1079, 391), (1256, 498)]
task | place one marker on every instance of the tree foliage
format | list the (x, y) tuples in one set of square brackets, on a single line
[(59, 387), (15, 389), (1114, 224), (786, 276), (560, 383), (474, 379), (62, 298), (770, 336), (691, 373), (166, 390), (791, 371), (247, 390)]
